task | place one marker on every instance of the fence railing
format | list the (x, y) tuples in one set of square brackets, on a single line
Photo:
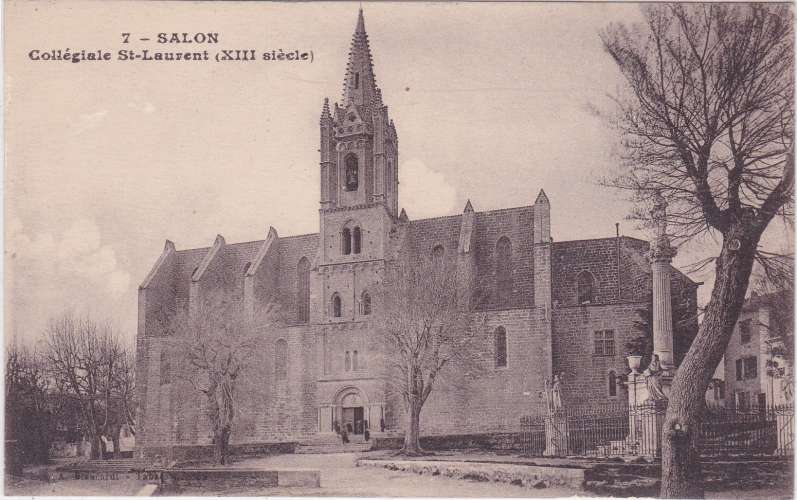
[(636, 430)]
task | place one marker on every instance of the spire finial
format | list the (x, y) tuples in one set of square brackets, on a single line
[(360, 21)]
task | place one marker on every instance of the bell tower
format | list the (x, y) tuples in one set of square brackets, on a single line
[(359, 146)]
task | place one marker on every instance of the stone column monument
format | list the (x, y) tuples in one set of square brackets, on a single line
[(648, 391), (661, 254)]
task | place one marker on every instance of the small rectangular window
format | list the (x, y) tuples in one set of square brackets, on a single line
[(739, 370), (751, 367), (604, 343), (745, 331)]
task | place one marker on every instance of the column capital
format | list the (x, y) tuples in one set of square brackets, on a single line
[(661, 250)]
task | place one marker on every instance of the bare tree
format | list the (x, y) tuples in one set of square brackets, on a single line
[(84, 359), (119, 396), (428, 327), (30, 410), (215, 343), (708, 122)]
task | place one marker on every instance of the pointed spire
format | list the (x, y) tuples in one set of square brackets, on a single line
[(325, 115), (468, 208), (360, 23), (359, 86), (403, 216), (542, 198)]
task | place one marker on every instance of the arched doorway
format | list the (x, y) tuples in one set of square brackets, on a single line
[(351, 406)]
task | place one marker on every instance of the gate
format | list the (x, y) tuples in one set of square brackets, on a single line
[(532, 430)]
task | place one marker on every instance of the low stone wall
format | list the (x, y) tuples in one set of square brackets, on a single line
[(508, 441), (190, 453), (531, 476), (176, 479)]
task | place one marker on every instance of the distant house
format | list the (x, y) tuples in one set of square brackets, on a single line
[(756, 373)]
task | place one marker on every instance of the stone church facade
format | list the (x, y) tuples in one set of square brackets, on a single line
[(550, 307)]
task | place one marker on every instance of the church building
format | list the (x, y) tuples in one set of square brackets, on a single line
[(550, 307)]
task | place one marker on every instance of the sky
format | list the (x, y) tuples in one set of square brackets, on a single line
[(107, 160)]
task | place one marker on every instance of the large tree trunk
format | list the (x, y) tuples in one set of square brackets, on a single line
[(412, 444), (96, 447), (115, 438), (221, 440), (681, 473)]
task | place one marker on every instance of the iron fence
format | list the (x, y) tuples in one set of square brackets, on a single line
[(764, 430), (611, 430)]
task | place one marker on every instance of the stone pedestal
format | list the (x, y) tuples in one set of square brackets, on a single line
[(646, 416), (556, 434)]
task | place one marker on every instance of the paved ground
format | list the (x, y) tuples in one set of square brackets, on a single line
[(341, 477), (27, 487)]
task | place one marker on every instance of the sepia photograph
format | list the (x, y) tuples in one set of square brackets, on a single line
[(399, 249)]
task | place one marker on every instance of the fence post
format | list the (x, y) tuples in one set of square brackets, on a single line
[(784, 418), (556, 434)]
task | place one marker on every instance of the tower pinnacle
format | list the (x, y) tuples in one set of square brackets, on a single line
[(359, 86)]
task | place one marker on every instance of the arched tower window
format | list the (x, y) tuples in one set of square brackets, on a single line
[(354, 361), (347, 362), (356, 80), (389, 177), (337, 310), (503, 269), (303, 289), (345, 241), (586, 288), (281, 359), (165, 367), (612, 384), (500, 347), (352, 173), (356, 240), (365, 304), (438, 255)]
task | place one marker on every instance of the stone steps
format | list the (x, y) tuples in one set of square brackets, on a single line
[(333, 448)]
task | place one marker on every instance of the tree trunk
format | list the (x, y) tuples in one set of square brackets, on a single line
[(221, 441), (412, 444), (96, 447), (681, 475), (115, 438)]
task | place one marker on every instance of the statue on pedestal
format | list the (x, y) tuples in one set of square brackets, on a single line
[(548, 395), (653, 380), (556, 393)]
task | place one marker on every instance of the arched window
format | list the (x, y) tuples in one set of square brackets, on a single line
[(389, 177), (165, 367), (337, 309), (303, 289), (612, 384), (500, 347), (503, 269), (365, 304), (586, 288), (356, 80), (281, 359), (354, 360), (438, 255), (345, 241), (347, 361), (356, 240), (352, 173)]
